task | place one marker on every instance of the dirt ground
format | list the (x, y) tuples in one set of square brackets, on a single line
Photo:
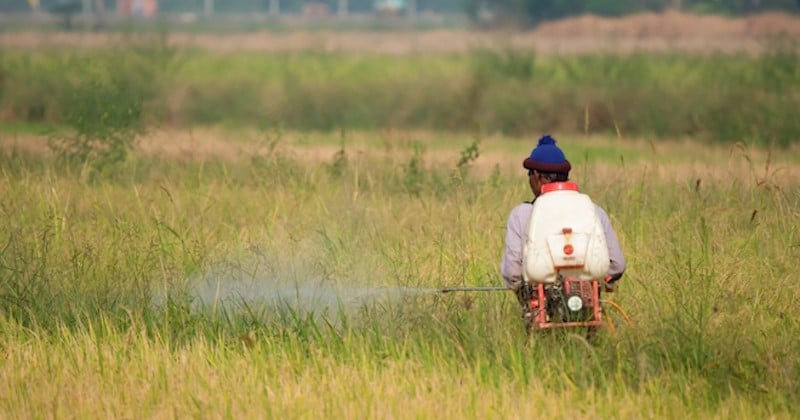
[(665, 160), (666, 32)]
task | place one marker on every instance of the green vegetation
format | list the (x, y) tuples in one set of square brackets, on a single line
[(713, 98), (203, 272), (716, 98), (97, 315)]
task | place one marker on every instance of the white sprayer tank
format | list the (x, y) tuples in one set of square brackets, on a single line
[(564, 236)]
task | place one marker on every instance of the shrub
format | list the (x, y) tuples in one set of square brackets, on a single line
[(105, 118)]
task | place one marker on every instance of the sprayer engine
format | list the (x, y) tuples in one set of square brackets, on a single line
[(569, 300), (566, 302)]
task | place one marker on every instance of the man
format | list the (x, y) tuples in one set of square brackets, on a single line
[(547, 164)]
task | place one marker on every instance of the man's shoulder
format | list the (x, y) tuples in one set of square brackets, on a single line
[(525, 205), (521, 210), (600, 210)]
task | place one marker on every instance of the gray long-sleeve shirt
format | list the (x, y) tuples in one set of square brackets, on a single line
[(517, 234)]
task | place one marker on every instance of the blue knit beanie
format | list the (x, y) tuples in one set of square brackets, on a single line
[(547, 157)]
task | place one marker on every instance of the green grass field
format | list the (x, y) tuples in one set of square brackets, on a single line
[(237, 235), (103, 280)]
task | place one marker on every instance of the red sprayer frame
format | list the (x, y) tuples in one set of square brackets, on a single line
[(540, 320)]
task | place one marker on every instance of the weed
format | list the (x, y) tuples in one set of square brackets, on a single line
[(339, 163), (414, 175), (468, 155), (106, 118)]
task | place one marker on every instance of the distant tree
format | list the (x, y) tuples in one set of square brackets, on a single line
[(534, 11), (440, 6), (66, 9), (14, 6)]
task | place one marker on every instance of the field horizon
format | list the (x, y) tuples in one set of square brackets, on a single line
[(681, 159), (662, 33)]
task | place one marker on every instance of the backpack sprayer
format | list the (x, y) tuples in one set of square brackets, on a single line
[(565, 259)]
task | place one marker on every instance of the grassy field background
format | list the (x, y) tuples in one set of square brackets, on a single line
[(224, 233), (102, 280), (725, 98)]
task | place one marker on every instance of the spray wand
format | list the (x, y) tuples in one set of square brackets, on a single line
[(473, 289)]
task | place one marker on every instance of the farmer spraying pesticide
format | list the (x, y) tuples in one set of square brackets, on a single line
[(559, 247)]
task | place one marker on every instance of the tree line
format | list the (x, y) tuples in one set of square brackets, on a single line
[(533, 11), (525, 10), (249, 6)]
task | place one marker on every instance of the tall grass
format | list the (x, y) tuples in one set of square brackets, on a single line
[(97, 314), (718, 98)]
